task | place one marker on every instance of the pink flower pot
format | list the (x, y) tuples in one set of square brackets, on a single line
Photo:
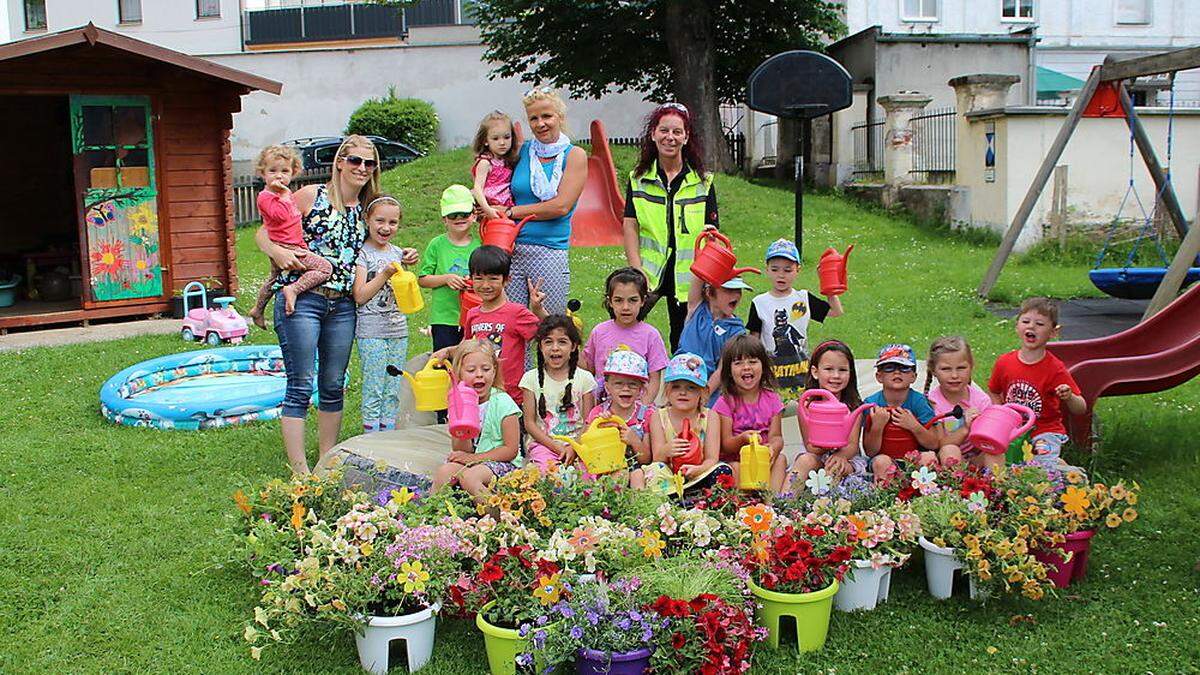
[(1061, 572)]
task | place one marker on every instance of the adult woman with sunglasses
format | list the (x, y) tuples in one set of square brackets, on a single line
[(324, 319), (670, 201), (546, 184)]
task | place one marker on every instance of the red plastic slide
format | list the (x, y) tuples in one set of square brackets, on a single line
[(601, 207), (1157, 354)]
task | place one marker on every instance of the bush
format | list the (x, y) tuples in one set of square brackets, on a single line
[(409, 120)]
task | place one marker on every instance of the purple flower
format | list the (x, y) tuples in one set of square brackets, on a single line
[(539, 639), (624, 624), (565, 610), (524, 629), (635, 615), (524, 659), (647, 634), (592, 617), (542, 620), (576, 633)]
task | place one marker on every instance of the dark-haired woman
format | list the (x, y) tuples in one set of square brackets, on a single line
[(670, 201)]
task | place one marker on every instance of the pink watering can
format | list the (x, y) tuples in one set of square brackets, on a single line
[(999, 425), (463, 413), (827, 420)]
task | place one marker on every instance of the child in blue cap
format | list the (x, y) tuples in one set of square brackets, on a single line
[(685, 380), (780, 317), (901, 407), (711, 322)]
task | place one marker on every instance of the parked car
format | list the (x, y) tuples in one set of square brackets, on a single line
[(318, 152)]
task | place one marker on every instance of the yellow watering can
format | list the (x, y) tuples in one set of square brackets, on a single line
[(407, 291), (754, 467), (431, 386), (600, 447)]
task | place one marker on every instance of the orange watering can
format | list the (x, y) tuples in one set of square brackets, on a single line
[(407, 290), (694, 455), (467, 299), (754, 465), (714, 259), (501, 232), (600, 447), (831, 270)]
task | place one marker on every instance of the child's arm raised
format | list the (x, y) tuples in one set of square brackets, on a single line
[(835, 307), (480, 172)]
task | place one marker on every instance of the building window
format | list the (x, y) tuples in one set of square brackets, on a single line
[(35, 14), (1016, 10), (1133, 12), (208, 9), (919, 10), (129, 11)]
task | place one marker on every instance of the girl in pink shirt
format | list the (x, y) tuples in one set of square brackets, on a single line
[(748, 404), (281, 218), (951, 363), (495, 150), (625, 293)]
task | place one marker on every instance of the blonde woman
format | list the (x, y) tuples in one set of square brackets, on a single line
[(546, 184), (324, 318)]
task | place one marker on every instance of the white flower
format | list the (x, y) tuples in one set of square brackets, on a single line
[(819, 482)]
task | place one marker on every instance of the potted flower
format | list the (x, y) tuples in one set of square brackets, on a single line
[(602, 628), (1083, 509), (370, 572), (881, 540), (794, 571)]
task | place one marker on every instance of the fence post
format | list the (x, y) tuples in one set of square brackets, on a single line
[(1058, 206), (898, 136)]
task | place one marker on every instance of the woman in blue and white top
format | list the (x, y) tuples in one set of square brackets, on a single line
[(546, 184)]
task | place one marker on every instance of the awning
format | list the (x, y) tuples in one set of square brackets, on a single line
[(1050, 83)]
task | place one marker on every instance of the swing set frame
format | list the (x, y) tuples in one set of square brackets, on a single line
[(1107, 78)]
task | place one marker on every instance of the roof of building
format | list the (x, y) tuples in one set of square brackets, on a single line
[(92, 35)]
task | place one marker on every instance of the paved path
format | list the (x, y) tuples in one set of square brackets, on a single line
[(1087, 318), (56, 337)]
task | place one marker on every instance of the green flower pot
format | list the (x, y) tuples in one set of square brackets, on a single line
[(810, 610), (502, 644)]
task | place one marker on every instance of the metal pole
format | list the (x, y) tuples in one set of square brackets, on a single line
[(798, 162), (1039, 183)]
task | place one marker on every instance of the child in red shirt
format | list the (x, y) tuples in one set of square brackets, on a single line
[(506, 325), (1038, 380)]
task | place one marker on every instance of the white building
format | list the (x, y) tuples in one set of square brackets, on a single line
[(330, 55)]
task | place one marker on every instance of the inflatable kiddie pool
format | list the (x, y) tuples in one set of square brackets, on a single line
[(198, 389)]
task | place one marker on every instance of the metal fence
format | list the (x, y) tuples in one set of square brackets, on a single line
[(933, 146), (868, 150), (246, 189), (349, 21), (735, 141)]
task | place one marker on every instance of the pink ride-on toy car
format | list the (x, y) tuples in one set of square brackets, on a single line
[(213, 326)]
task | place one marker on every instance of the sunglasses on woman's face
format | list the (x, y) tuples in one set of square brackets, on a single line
[(357, 161)]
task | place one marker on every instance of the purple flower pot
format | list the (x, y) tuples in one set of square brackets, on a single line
[(593, 662)]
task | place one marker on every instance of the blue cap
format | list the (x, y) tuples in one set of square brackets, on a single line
[(896, 353), (783, 248), (686, 367)]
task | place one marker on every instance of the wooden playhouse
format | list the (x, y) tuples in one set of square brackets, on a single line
[(117, 176)]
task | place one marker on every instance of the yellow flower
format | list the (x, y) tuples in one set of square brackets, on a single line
[(1074, 477), (1129, 515), (758, 548), (1002, 549), (957, 522), (970, 541), (1118, 491), (548, 589), (367, 549), (239, 498), (414, 576), (338, 605), (256, 653), (652, 544), (297, 515), (1131, 498), (402, 496), (1075, 501)]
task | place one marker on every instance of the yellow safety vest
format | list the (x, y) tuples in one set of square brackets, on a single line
[(650, 202)]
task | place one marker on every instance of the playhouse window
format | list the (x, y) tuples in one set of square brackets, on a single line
[(116, 148)]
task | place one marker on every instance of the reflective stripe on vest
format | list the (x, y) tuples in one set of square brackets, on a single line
[(650, 203)]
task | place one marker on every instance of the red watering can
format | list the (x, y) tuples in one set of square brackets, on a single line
[(467, 299), (714, 261), (463, 413), (501, 232), (897, 441), (999, 425), (827, 420), (831, 271), (694, 455)]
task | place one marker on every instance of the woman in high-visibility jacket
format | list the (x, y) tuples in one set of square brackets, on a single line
[(670, 201)]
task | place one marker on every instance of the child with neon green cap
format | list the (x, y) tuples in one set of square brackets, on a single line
[(444, 265)]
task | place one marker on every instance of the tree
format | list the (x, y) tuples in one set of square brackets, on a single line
[(696, 52)]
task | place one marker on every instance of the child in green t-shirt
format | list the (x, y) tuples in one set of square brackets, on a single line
[(444, 265)]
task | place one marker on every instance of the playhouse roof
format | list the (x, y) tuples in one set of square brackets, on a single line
[(91, 35)]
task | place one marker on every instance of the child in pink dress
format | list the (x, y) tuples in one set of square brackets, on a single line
[(277, 164), (495, 157)]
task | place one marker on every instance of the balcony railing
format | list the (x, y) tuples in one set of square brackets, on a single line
[(321, 23)]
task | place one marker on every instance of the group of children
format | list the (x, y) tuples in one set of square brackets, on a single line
[(727, 382)]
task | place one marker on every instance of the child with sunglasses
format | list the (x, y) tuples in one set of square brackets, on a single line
[(277, 165), (896, 426), (444, 267)]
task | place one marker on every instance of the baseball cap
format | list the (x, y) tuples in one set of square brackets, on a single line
[(686, 367), (624, 361), (896, 353), (783, 248), (457, 199), (737, 284)]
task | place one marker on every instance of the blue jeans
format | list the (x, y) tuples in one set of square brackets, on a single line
[(323, 329)]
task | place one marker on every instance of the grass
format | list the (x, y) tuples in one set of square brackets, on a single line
[(108, 533)]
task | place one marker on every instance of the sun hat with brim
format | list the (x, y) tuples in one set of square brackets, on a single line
[(457, 199), (628, 363), (686, 367), (737, 284)]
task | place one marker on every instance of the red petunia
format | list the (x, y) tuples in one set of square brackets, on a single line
[(491, 573), (678, 641), (906, 493), (726, 481)]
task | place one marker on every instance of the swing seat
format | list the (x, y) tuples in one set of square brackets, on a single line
[(1135, 283)]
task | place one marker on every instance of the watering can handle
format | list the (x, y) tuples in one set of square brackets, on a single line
[(711, 234), (575, 445), (1028, 414)]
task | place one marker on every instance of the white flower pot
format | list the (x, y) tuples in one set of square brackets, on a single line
[(868, 587), (940, 565), (415, 629)]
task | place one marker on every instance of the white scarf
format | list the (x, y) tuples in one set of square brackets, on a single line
[(545, 188)]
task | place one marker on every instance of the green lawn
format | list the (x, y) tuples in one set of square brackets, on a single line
[(108, 534)]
